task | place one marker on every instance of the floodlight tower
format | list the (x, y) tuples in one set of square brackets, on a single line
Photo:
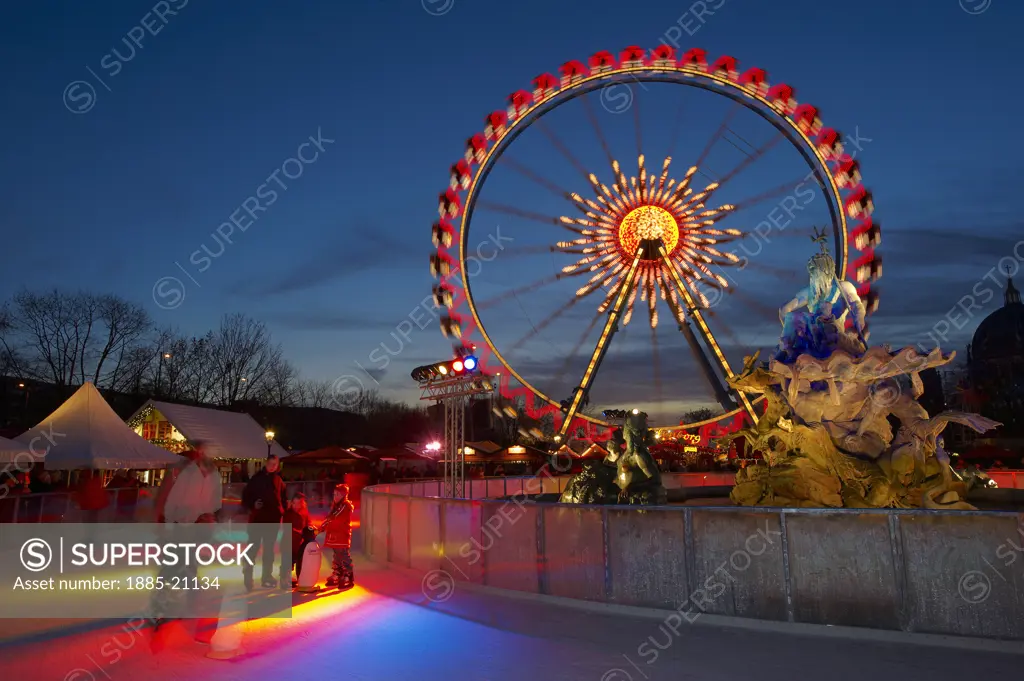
[(452, 383)]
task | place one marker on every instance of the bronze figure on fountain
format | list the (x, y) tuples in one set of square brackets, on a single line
[(623, 477)]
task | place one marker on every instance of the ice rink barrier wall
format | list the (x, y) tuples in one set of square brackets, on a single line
[(941, 572)]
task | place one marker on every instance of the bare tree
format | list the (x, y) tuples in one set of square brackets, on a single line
[(314, 394), (127, 325), (197, 370), (83, 318), (52, 326), (67, 339), (10, 361), (369, 402), (701, 414), (279, 385), (131, 374), (244, 355)]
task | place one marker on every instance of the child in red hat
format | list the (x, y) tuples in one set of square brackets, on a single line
[(338, 527)]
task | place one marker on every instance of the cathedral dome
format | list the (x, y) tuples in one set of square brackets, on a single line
[(1001, 334)]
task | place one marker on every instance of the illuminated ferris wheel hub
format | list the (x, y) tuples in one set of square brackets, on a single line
[(645, 240), (644, 214), (648, 223)]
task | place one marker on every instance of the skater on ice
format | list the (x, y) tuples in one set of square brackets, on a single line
[(338, 529)]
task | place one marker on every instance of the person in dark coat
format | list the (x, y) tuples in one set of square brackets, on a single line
[(265, 498), (40, 483)]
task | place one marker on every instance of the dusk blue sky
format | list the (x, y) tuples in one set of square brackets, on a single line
[(115, 199)]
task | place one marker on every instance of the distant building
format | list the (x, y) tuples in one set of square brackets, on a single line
[(934, 398), (995, 364)]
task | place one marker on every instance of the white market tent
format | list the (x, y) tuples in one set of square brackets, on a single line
[(225, 434), (85, 433), (9, 451)]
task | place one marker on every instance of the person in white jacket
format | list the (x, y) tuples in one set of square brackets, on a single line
[(195, 492), (190, 493)]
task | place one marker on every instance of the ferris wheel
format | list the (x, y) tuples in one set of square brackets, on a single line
[(647, 237)]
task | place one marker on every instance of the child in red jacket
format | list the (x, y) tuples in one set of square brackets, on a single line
[(338, 527)]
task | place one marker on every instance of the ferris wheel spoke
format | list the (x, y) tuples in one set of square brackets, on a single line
[(787, 275), (530, 175), (785, 232), (728, 331), (750, 157), (710, 342), (771, 193), (676, 129), (544, 323), (711, 383), (517, 251), (766, 311), (637, 126), (546, 281), (526, 215), (718, 134), (656, 365), (557, 143), (597, 128), (626, 288), (576, 348)]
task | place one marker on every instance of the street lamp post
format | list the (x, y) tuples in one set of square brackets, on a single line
[(270, 439)]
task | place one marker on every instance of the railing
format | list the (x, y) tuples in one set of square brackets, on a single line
[(943, 572), (136, 505), (1008, 479), (131, 504), (497, 487)]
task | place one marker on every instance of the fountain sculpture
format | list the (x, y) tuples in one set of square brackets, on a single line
[(623, 477), (825, 436)]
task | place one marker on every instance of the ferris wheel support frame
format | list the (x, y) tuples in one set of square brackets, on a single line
[(695, 313), (721, 392), (610, 327), (653, 247)]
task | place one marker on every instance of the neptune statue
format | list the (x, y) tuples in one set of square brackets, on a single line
[(826, 436), (814, 322)]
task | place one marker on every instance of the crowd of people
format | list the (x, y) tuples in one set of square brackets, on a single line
[(265, 498), (192, 492)]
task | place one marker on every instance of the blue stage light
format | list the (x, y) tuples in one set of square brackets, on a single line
[(469, 363)]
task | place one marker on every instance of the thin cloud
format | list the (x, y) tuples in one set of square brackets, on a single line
[(362, 252)]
